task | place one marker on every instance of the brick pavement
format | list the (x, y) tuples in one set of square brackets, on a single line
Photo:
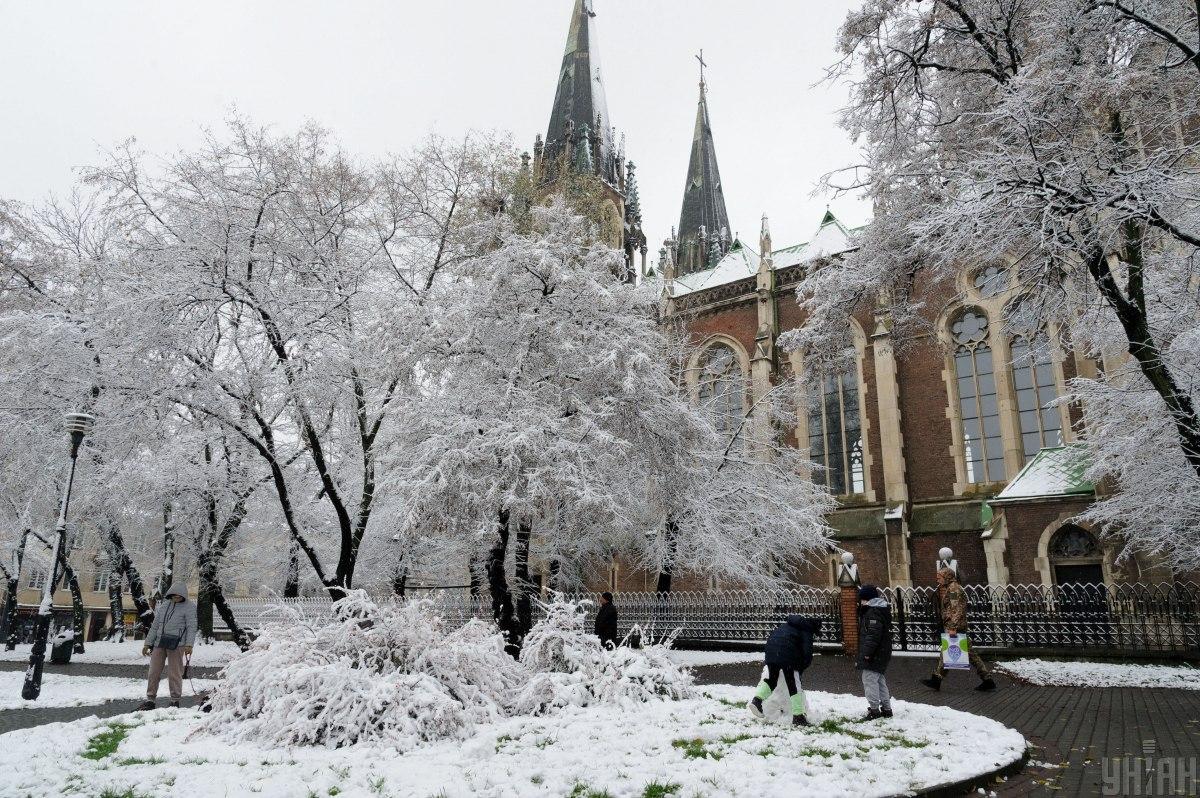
[(1070, 728)]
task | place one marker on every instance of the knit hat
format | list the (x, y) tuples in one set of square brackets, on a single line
[(868, 592)]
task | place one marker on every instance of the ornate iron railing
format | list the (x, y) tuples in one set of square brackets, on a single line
[(1124, 617), (1114, 618)]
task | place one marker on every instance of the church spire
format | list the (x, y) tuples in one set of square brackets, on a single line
[(580, 103), (704, 215)]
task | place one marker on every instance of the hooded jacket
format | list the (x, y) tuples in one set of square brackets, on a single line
[(791, 644), (875, 636), (173, 619)]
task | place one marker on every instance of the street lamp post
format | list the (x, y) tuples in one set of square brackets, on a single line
[(78, 426)]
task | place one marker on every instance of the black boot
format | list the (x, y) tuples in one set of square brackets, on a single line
[(887, 713), (174, 704), (800, 720), (986, 685), (872, 714), (146, 705), (755, 707), (933, 682)]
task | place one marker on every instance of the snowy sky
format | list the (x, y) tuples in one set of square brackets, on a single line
[(381, 73)]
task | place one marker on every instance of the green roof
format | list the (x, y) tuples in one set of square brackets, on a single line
[(1057, 471)]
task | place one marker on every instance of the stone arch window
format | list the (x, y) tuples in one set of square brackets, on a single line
[(991, 281), (1076, 557), (721, 386), (1033, 379), (835, 440), (979, 413)]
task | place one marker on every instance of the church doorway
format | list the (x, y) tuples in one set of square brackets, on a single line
[(1076, 557)]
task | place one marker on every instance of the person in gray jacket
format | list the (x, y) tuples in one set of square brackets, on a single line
[(170, 639)]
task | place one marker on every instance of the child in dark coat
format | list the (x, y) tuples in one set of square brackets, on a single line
[(874, 650), (790, 652)]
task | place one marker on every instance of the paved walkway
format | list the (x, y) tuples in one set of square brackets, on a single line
[(1070, 729), (14, 719)]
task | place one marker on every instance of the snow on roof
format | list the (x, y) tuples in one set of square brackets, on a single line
[(831, 238), (1057, 471)]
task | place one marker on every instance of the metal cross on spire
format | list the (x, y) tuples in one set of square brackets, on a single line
[(703, 64)]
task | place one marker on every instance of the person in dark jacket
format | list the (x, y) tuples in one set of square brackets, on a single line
[(874, 650), (790, 652), (606, 621)]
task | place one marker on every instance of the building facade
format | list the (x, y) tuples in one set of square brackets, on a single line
[(954, 440)]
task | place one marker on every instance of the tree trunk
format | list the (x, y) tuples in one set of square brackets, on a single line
[(399, 580), (554, 569), (168, 569), (240, 638), (78, 616), (502, 601), (1131, 312), (116, 608), (9, 631), (291, 587), (204, 613), (124, 565), (524, 585), (668, 566), (473, 575)]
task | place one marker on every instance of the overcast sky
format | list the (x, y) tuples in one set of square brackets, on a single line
[(78, 76)]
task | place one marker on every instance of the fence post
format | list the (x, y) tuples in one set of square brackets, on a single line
[(848, 582), (900, 619)]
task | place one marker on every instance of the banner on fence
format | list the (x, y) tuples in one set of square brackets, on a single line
[(954, 652)]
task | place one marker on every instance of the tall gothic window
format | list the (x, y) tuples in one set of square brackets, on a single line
[(722, 386), (1033, 376), (835, 434), (983, 449)]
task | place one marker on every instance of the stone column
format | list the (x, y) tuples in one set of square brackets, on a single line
[(762, 363), (891, 441)]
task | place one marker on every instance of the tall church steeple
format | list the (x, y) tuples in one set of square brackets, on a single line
[(580, 155), (579, 118), (703, 222)]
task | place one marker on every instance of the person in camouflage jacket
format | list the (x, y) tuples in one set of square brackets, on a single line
[(952, 606)]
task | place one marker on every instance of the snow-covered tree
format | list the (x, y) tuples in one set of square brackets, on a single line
[(548, 425), (1056, 139), (279, 284)]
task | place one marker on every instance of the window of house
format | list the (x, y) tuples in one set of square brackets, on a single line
[(983, 449), (100, 581), (722, 386), (37, 578), (835, 435), (1033, 377)]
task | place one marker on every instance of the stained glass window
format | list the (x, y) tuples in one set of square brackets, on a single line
[(835, 435), (1033, 377), (722, 386), (983, 448)]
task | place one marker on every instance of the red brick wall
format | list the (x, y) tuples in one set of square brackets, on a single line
[(967, 548), (1025, 523)]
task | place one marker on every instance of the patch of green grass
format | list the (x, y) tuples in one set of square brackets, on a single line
[(537, 778), (728, 703), (836, 726), (656, 790), (812, 750), (335, 790), (342, 772), (735, 738), (377, 785), (695, 748), (502, 739), (133, 760), (198, 760), (105, 743), (900, 741), (768, 751), (583, 791), (128, 792)]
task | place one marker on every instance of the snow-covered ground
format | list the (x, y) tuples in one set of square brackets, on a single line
[(59, 690), (708, 746), (130, 652), (694, 659), (1102, 674)]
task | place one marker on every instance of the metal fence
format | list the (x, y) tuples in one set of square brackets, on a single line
[(1128, 618), (1138, 618)]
